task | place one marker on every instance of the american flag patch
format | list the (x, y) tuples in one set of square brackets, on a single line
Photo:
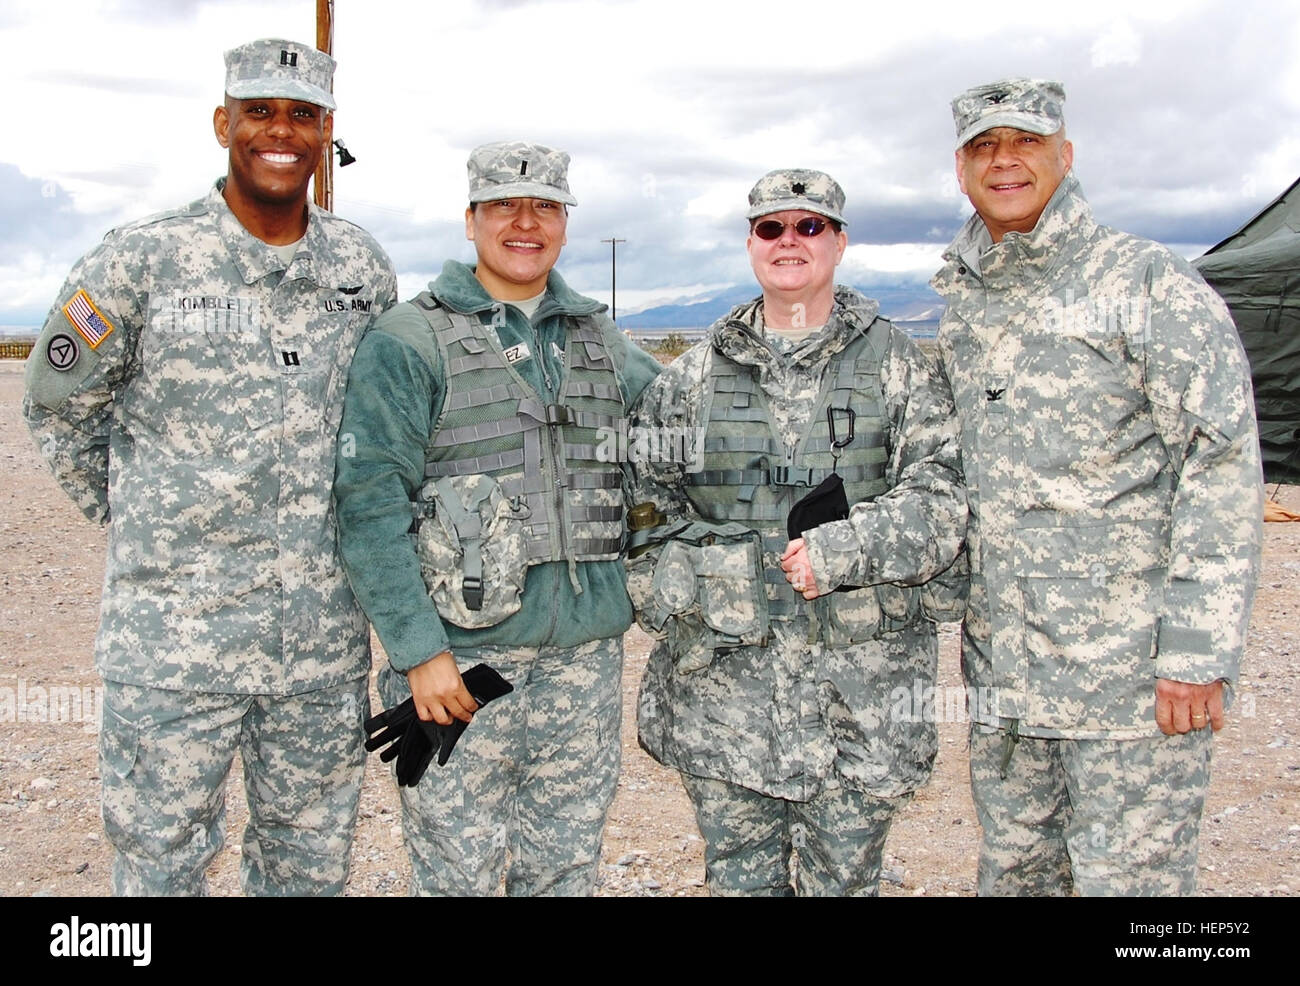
[(87, 320)]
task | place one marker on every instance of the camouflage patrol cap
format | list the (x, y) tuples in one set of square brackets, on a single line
[(271, 68), (516, 169), (797, 188), (1033, 105)]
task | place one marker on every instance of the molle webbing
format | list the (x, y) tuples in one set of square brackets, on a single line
[(747, 474), (545, 455), (783, 603)]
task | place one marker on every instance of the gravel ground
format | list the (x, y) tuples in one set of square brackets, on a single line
[(51, 842)]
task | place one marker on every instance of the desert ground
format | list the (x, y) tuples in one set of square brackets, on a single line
[(52, 844)]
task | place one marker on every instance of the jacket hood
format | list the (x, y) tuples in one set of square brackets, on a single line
[(458, 289), (1061, 232), (737, 336)]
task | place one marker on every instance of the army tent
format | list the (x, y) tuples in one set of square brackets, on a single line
[(1257, 271)]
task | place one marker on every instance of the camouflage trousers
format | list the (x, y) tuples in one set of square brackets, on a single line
[(1103, 817), (164, 759), (534, 774), (750, 838)]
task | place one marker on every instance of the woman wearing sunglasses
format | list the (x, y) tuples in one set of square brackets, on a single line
[(799, 717)]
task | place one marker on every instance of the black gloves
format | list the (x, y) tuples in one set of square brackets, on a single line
[(827, 502), (822, 505), (413, 741)]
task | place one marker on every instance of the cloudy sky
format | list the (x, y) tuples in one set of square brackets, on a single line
[(1185, 119)]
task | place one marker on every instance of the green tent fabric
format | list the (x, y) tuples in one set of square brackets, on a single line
[(1257, 271)]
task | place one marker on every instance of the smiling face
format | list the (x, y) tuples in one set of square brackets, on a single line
[(794, 269), (1009, 176), (518, 241), (275, 146)]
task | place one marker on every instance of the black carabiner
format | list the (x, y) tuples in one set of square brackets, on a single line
[(837, 444)]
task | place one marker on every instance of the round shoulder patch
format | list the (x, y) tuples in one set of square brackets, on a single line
[(62, 351)]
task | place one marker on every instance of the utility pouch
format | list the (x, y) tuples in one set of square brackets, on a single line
[(707, 593), (943, 598), (473, 555), (868, 613)]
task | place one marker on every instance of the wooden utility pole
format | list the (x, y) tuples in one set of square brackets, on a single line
[(325, 42)]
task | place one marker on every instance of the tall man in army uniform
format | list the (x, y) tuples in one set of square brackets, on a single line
[(480, 409), (780, 703), (186, 390), (1109, 443)]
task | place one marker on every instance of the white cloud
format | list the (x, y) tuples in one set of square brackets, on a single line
[(1119, 45), (1274, 170), (717, 202), (30, 285), (893, 258), (672, 109)]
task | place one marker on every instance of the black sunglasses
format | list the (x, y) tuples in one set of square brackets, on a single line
[(770, 229)]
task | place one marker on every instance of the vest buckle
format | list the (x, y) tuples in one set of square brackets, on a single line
[(789, 476), (559, 414), (472, 591)]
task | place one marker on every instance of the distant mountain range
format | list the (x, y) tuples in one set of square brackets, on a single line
[(903, 303)]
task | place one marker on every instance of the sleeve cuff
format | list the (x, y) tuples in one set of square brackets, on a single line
[(835, 555), (416, 647), (1189, 654)]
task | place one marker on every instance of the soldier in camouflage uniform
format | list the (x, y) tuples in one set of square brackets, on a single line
[(1109, 443), (475, 419), (777, 704), (186, 390)]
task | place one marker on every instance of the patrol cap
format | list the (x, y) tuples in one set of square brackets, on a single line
[(516, 169), (1036, 106), (271, 68), (797, 188)]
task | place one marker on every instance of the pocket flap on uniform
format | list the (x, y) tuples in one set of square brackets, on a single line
[(733, 595), (473, 554), (898, 602), (119, 742), (674, 579), (1093, 550), (595, 354), (472, 345), (850, 617)]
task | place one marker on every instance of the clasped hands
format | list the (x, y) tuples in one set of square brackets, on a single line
[(798, 569)]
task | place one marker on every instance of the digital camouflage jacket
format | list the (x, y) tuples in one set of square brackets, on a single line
[(768, 709), (1112, 467), (186, 390)]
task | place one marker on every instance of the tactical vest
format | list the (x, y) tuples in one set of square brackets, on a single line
[(544, 456), (747, 475)]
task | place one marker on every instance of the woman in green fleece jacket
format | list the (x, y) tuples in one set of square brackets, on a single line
[(478, 409)]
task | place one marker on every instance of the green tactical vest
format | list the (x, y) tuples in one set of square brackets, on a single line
[(747, 475), (544, 456)]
